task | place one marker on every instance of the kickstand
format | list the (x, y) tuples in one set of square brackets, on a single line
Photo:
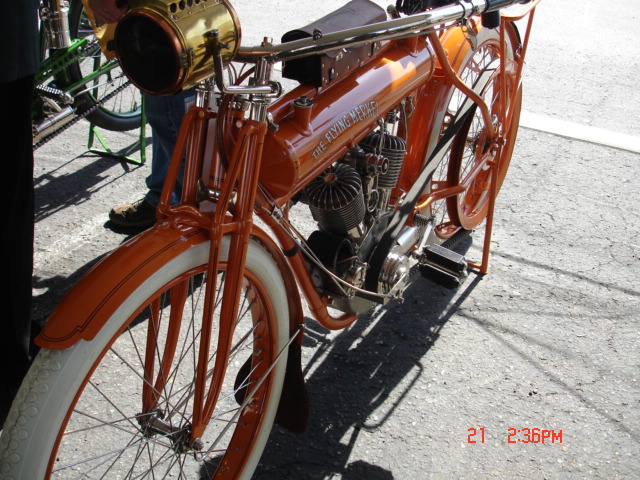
[(483, 267)]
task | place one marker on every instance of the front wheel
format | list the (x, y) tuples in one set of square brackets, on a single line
[(121, 405)]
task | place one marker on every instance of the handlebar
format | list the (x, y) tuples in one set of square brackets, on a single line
[(493, 5), (394, 29)]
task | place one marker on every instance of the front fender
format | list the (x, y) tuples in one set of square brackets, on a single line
[(296, 315), (83, 311)]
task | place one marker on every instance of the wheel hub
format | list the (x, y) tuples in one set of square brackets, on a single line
[(153, 424)]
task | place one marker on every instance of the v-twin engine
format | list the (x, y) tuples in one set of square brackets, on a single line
[(352, 205)]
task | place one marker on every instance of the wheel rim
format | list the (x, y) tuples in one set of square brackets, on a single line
[(445, 211), (472, 168), (129, 419), (472, 153)]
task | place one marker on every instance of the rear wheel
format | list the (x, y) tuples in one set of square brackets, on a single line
[(472, 158), (468, 152), (121, 405)]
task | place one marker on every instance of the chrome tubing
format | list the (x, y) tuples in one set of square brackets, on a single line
[(394, 29), (54, 15)]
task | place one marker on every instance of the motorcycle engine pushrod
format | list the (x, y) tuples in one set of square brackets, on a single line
[(394, 29)]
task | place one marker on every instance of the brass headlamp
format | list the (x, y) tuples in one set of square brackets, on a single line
[(165, 46)]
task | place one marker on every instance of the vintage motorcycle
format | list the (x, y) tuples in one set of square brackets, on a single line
[(176, 353)]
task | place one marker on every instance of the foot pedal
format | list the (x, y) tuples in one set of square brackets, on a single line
[(444, 266)]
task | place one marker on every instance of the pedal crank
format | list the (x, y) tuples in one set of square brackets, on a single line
[(443, 266)]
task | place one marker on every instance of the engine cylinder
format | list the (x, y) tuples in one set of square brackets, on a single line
[(393, 149), (336, 199)]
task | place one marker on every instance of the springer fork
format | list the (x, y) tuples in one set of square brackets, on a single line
[(233, 199)]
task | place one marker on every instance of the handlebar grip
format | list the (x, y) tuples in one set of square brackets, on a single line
[(491, 16), (493, 5), (491, 19)]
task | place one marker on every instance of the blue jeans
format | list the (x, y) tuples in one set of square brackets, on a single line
[(164, 115)]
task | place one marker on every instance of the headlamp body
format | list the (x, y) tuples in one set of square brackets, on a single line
[(163, 46)]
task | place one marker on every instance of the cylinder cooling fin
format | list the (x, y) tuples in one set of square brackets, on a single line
[(336, 199), (391, 147)]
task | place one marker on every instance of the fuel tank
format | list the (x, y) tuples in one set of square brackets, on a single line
[(317, 127)]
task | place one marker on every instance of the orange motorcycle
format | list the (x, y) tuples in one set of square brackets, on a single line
[(177, 352)]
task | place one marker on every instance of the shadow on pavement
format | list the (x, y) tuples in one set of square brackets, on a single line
[(350, 377), (56, 190), (350, 374)]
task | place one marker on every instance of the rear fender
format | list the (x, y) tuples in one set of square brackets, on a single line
[(431, 100)]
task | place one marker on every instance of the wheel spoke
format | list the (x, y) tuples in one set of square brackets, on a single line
[(472, 152), (108, 434)]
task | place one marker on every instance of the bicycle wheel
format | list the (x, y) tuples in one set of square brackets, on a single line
[(471, 154), (96, 411), (468, 210), (120, 112)]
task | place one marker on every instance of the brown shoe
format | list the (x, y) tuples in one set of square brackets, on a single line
[(139, 214)]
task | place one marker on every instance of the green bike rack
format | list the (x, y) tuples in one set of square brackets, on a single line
[(125, 153)]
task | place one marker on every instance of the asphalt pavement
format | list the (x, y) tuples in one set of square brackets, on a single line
[(528, 372)]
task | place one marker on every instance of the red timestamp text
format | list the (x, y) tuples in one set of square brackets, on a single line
[(519, 435)]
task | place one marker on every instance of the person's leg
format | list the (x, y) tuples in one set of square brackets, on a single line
[(17, 236), (164, 115)]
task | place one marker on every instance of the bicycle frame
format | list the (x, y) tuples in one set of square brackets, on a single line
[(54, 65), (261, 170), (55, 36)]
